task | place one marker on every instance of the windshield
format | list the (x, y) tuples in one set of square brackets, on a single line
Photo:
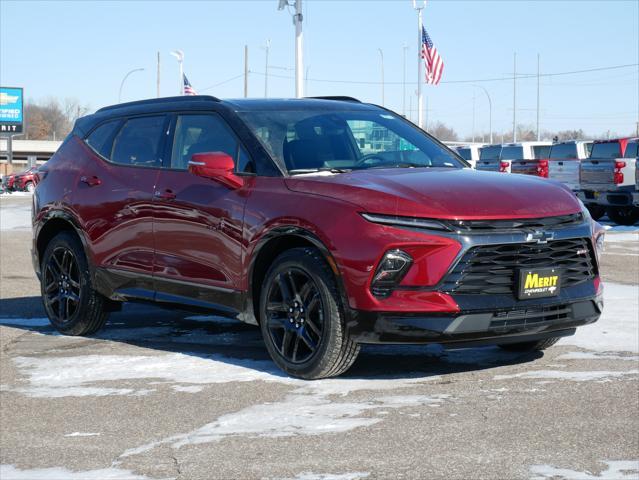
[(562, 151), (606, 150), (306, 141), (490, 153)]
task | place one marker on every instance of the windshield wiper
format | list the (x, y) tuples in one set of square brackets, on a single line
[(297, 171)]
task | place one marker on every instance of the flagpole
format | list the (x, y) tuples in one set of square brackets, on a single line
[(420, 66)]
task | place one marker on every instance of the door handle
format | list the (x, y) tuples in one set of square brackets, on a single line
[(92, 181), (165, 195)]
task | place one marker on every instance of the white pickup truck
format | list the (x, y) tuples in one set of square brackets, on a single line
[(501, 158), (608, 180), (564, 161), (470, 153)]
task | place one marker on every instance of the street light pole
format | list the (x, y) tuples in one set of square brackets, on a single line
[(267, 47), (404, 48), (420, 66), (299, 43), (381, 55), (490, 111), (124, 80), (179, 55)]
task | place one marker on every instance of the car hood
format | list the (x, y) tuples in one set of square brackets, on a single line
[(442, 193)]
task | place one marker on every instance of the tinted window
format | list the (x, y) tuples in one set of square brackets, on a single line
[(632, 150), (138, 142), (101, 139), (199, 134), (606, 150), (562, 151), (588, 148), (490, 153), (541, 151), (465, 153), (512, 153), (303, 140)]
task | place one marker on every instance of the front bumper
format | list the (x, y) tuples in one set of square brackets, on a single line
[(483, 320)]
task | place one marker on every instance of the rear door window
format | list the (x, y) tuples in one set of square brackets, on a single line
[(101, 139), (138, 142)]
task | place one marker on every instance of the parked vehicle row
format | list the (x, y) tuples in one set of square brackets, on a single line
[(25, 181), (603, 173)]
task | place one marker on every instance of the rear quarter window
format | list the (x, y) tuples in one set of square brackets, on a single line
[(632, 150), (101, 139)]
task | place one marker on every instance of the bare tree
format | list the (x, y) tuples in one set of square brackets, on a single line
[(443, 132), (50, 120)]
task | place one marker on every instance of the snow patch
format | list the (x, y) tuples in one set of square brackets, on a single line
[(16, 217), (82, 434), (596, 375), (187, 388), (618, 328), (597, 356), (9, 472), (328, 476), (615, 470)]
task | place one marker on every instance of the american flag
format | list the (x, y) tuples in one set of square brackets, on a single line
[(432, 60), (188, 89)]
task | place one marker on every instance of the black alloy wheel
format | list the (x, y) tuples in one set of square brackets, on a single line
[(62, 287), (295, 315)]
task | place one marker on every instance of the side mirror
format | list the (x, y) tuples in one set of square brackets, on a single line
[(217, 166)]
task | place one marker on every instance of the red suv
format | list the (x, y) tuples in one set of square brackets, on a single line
[(328, 222)]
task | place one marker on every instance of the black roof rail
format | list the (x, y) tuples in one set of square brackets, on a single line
[(152, 101), (338, 97)]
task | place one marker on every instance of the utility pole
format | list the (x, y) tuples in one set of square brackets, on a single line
[(158, 78), (420, 66), (179, 55), (404, 48), (515, 97), (245, 71), (381, 56), (267, 47), (538, 132), (299, 53)]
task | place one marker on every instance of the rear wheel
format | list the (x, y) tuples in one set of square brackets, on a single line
[(71, 303), (302, 319), (596, 211), (530, 346), (29, 187), (624, 215)]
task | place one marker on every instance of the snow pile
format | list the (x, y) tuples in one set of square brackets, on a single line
[(9, 472), (616, 470)]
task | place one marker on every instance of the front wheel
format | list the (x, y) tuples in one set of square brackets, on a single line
[(624, 215), (29, 187), (71, 303), (302, 319), (530, 346)]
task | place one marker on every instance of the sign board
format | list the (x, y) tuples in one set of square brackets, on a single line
[(11, 110)]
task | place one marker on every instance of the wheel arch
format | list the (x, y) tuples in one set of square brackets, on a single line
[(268, 248), (54, 223)]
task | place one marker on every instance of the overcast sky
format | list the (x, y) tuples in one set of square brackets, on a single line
[(83, 50)]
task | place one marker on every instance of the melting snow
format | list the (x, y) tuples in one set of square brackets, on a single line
[(597, 375), (616, 470), (9, 472), (81, 434)]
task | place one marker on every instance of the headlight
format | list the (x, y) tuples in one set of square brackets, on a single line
[(390, 271), (398, 221)]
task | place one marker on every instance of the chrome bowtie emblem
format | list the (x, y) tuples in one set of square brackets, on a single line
[(540, 237)]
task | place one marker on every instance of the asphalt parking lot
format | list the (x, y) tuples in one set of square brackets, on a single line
[(162, 394)]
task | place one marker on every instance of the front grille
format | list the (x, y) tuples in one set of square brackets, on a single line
[(492, 226), (493, 269), (530, 317)]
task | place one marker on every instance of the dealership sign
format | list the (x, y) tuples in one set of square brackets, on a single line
[(11, 110)]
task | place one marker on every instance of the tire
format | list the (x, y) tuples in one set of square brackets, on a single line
[(302, 317), (71, 303), (530, 346), (624, 215), (596, 211), (29, 187)]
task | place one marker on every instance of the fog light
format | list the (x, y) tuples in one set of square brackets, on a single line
[(390, 271)]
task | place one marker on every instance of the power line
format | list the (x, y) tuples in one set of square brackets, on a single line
[(495, 79), (221, 83)]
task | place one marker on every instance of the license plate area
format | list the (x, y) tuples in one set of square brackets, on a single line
[(538, 283)]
